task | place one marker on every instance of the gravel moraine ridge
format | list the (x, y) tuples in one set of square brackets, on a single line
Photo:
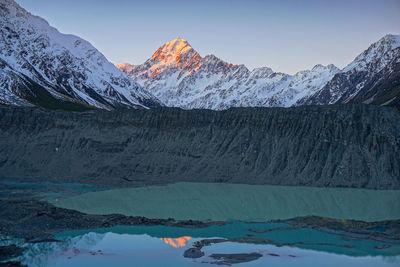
[(355, 146)]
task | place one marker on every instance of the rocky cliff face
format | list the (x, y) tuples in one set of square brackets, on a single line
[(335, 146)]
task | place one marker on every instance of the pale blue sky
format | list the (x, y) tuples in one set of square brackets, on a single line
[(286, 35)]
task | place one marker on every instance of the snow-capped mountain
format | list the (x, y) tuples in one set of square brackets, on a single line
[(373, 77), (180, 77), (41, 66)]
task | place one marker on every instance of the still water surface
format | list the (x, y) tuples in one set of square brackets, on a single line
[(164, 246), (239, 204), (213, 201)]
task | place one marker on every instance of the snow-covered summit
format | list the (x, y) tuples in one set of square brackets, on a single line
[(371, 78), (210, 82), (180, 77), (174, 52), (393, 39), (174, 56), (320, 67), (379, 52)]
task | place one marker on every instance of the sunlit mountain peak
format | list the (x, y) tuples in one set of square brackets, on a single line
[(174, 51)]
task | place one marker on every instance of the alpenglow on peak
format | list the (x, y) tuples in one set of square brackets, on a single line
[(178, 76), (176, 52)]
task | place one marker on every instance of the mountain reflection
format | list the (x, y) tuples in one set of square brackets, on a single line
[(176, 242)]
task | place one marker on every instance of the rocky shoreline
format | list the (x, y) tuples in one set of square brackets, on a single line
[(37, 221)]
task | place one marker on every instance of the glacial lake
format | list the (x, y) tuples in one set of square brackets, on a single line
[(246, 208), (216, 201), (164, 246)]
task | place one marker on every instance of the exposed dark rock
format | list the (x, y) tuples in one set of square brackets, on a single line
[(327, 146), (382, 246), (10, 252), (11, 264), (193, 253), (260, 231), (46, 240), (207, 242)]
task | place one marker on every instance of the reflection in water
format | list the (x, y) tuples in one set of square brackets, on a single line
[(111, 249), (176, 242), (273, 233)]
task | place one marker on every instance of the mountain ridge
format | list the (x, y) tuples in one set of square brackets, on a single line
[(360, 80), (187, 87), (41, 66)]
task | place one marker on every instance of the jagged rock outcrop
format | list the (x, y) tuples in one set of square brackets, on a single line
[(334, 146)]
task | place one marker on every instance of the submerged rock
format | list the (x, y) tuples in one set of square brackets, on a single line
[(382, 246)]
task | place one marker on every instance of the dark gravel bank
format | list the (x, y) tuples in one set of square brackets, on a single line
[(326, 146)]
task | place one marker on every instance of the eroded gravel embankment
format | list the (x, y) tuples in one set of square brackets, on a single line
[(332, 146)]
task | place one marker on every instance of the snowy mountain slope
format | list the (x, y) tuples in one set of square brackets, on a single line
[(41, 66), (125, 67), (372, 78), (180, 77)]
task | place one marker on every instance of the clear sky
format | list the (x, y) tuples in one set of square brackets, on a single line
[(286, 35)]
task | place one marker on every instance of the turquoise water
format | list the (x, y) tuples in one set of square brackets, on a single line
[(68, 184), (164, 246), (312, 239), (213, 201), (237, 204)]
